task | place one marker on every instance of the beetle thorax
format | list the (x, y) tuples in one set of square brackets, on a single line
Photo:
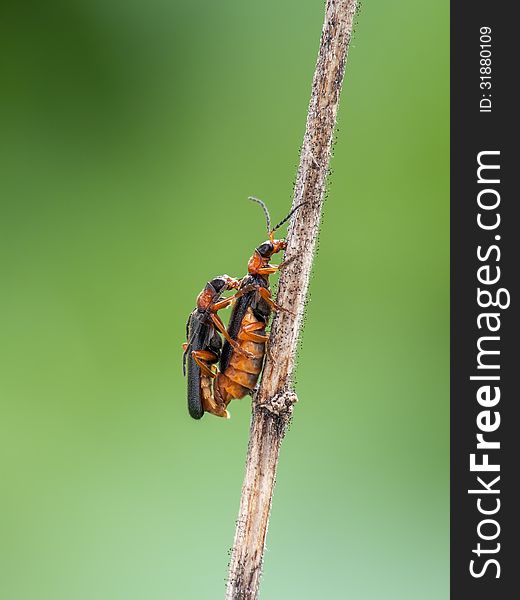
[(256, 262)]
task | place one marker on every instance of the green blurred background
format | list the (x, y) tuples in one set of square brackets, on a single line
[(131, 135)]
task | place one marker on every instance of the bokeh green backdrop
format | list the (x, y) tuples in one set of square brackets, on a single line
[(131, 135)]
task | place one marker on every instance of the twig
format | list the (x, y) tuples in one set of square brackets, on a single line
[(273, 403)]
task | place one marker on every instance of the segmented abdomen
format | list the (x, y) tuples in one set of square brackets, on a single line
[(243, 370), (208, 401)]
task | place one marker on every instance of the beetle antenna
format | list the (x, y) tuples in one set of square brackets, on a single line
[(288, 216), (266, 211)]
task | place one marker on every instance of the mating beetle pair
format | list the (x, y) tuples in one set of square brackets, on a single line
[(241, 356)]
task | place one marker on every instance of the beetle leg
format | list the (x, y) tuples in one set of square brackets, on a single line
[(266, 295), (202, 358), (222, 328), (223, 304), (247, 333), (227, 301), (268, 270), (217, 321)]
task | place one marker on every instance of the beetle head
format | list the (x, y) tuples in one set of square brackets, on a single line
[(271, 246), (214, 289)]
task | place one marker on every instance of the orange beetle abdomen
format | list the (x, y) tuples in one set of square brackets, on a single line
[(243, 370)]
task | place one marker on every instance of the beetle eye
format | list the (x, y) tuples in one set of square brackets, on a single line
[(218, 283), (266, 249)]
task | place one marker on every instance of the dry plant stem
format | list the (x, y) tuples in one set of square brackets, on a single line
[(273, 403)]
